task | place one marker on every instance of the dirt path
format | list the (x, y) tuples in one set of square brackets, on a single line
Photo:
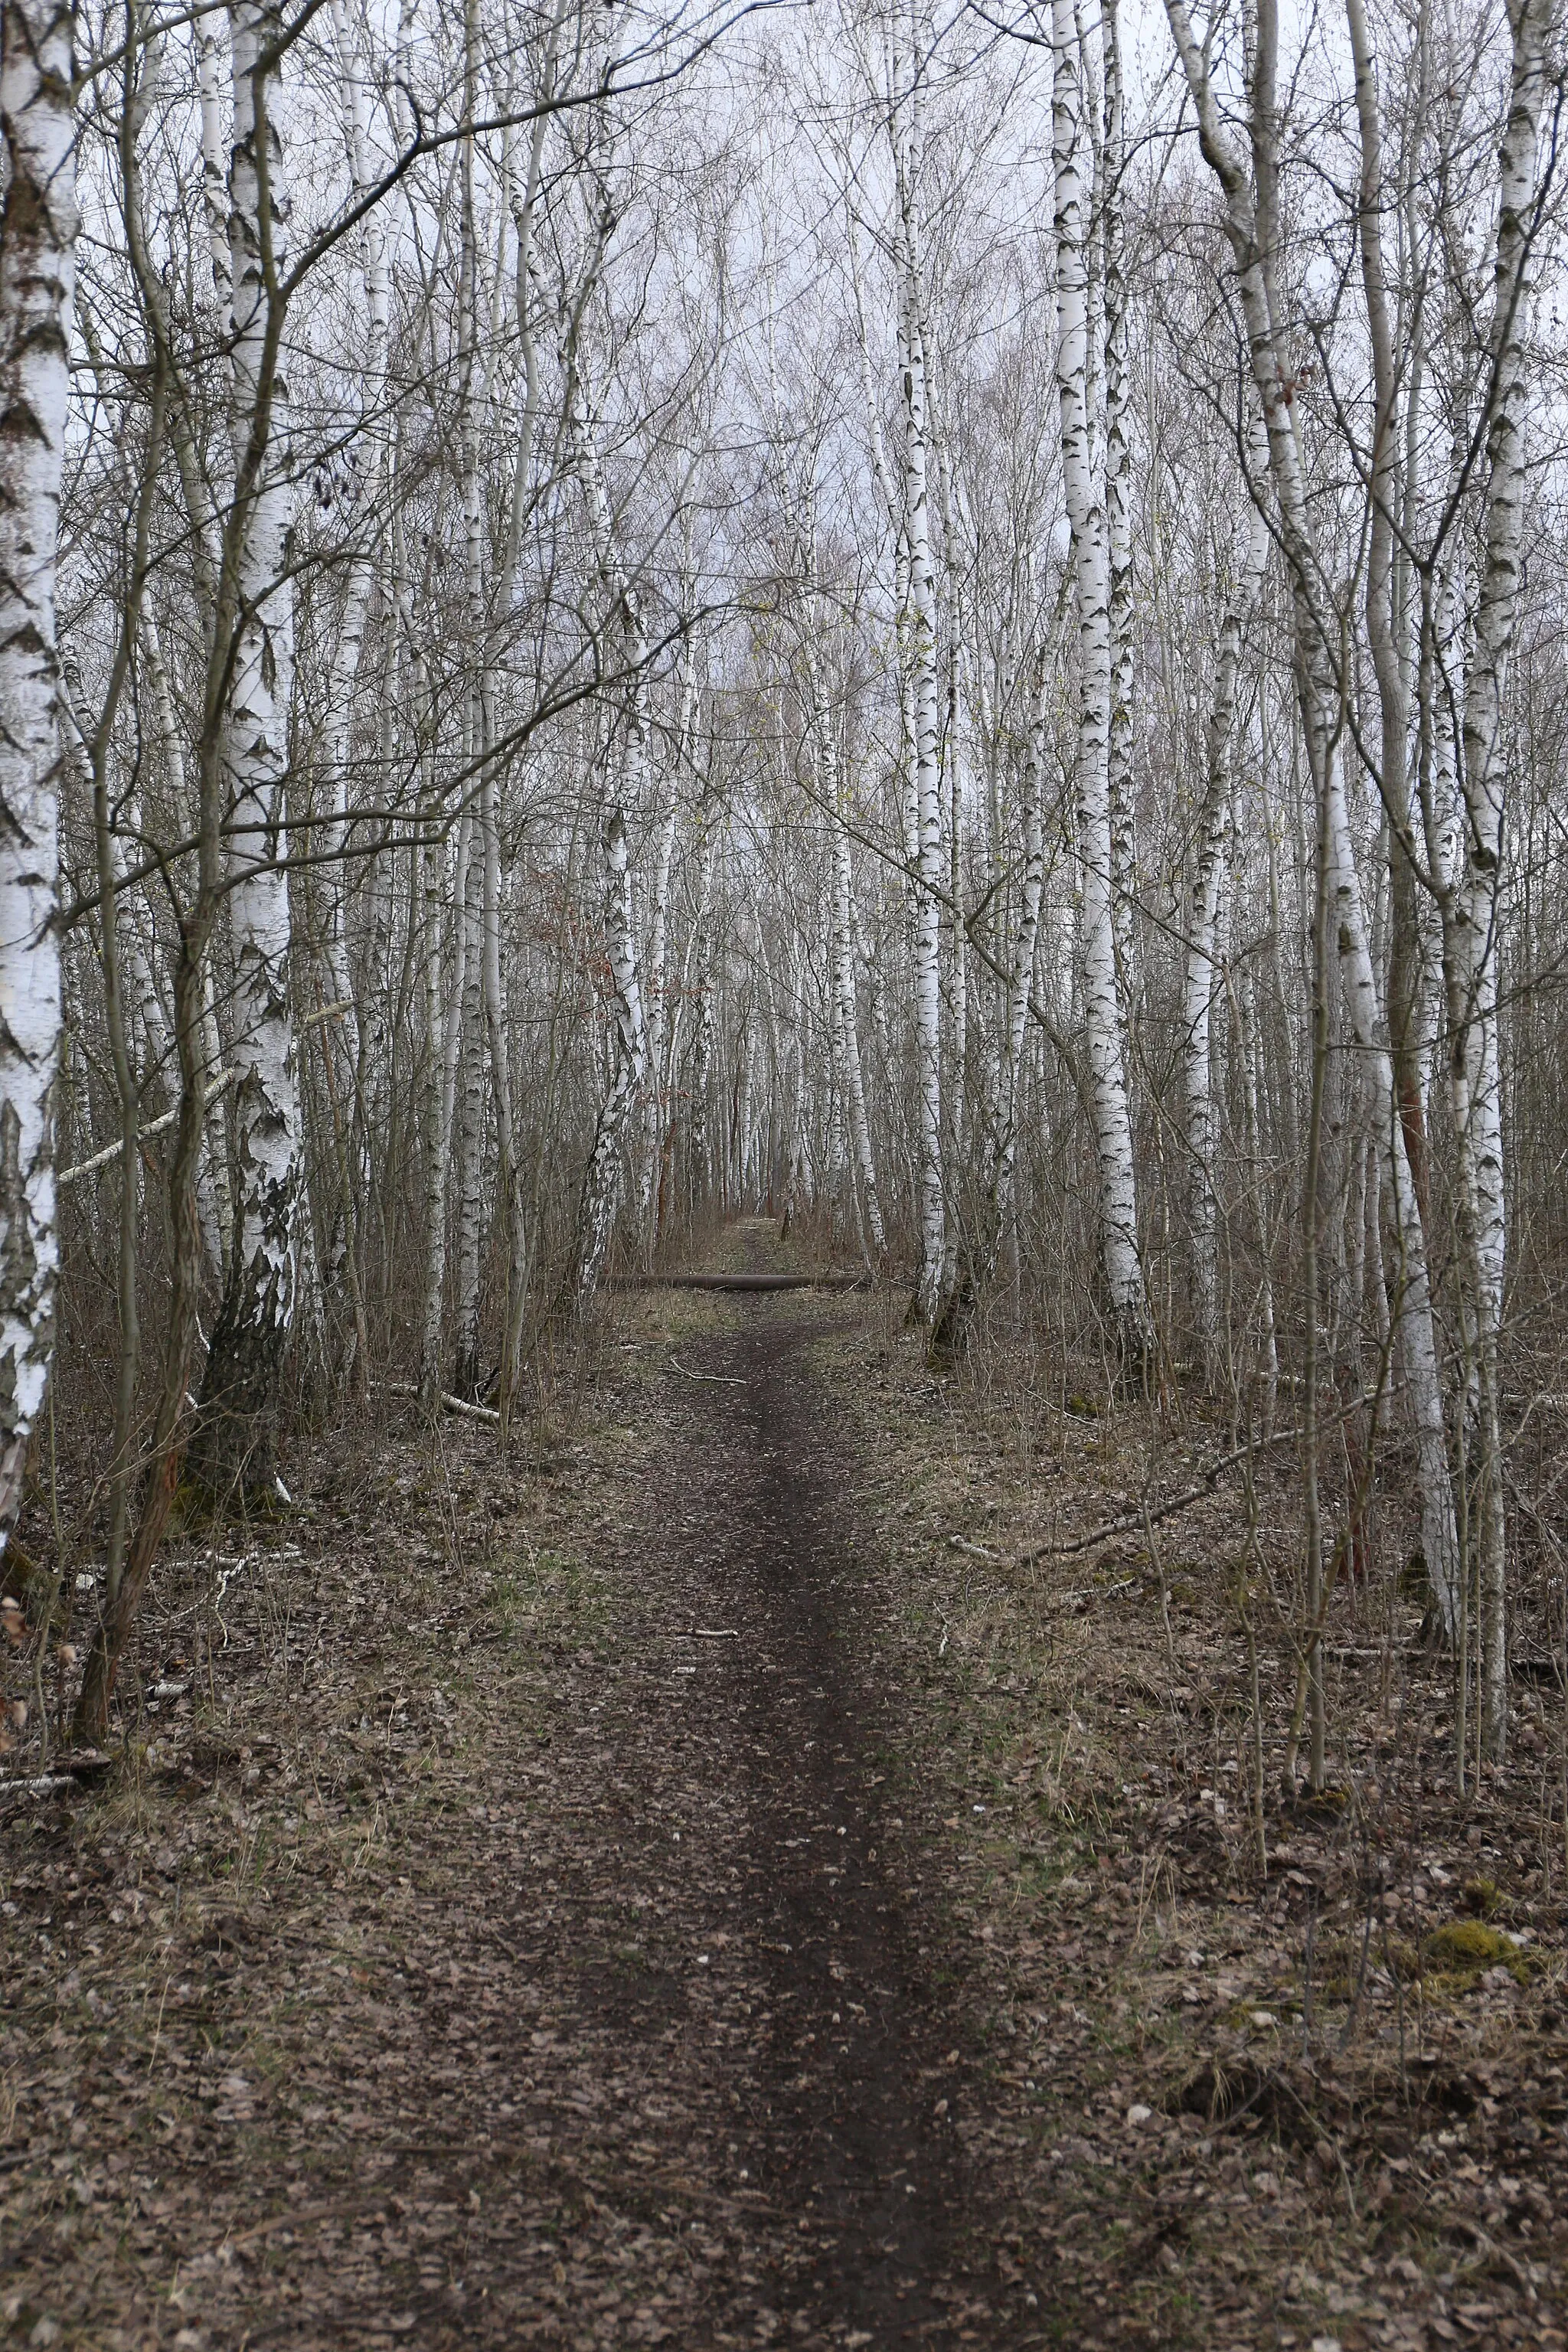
[(846, 2100), (572, 1976)]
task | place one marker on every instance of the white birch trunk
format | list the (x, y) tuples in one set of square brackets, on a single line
[(239, 1391), (37, 277), (1201, 974), (446, 991), (701, 1073), (655, 1145), (344, 671), (1085, 514), (1475, 1087), (624, 788), (1252, 1144), (925, 715), (658, 1023), (436, 1132), (1118, 509), (215, 1197), (844, 979), (470, 1157), (1021, 980), (210, 62)]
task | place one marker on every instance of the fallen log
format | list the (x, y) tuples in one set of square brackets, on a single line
[(844, 1280)]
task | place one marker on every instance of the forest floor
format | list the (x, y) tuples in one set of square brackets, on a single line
[(661, 1889)]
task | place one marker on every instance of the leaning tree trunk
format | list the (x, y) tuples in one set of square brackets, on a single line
[(37, 276), (234, 1447)]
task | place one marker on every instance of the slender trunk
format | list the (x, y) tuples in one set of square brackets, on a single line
[(343, 674), (1475, 1081), (855, 1084), (926, 719), (657, 995), (1118, 510), (471, 1106), (624, 788), (239, 1394), (37, 264), (1086, 518), (702, 1069), (1201, 974), (1015, 1011), (161, 1475), (215, 1196), (443, 1045), (509, 1173), (129, 1366)]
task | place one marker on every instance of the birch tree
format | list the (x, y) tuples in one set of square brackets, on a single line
[(1201, 975), (1083, 475), (37, 242), (245, 1360)]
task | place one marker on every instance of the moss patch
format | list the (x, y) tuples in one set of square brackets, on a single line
[(1466, 1948)]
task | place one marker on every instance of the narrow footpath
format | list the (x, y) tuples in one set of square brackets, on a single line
[(545, 1951), (830, 2030)]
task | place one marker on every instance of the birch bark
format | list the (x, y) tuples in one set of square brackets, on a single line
[(1086, 518), (215, 1197), (233, 1445), (1117, 449), (925, 714), (1471, 942), (1021, 979), (1201, 972), (37, 278), (470, 914), (702, 1071), (443, 1042), (624, 775), (344, 671), (651, 1196)]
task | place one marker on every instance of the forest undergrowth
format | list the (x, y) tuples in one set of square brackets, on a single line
[(412, 1975)]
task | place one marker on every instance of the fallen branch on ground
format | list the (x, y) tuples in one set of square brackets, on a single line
[(1130, 1521), (719, 1380), (485, 1413), (833, 1279), (42, 1784)]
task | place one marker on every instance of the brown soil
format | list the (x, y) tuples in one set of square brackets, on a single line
[(663, 1893)]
